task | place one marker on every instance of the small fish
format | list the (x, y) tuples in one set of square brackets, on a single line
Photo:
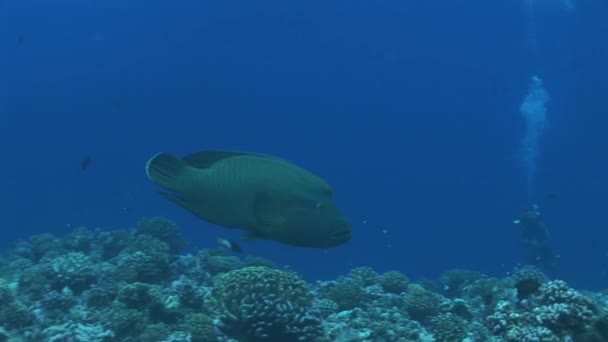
[(117, 103), (231, 245), (20, 39), (85, 163), (267, 197)]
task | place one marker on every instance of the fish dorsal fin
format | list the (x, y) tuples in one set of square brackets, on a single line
[(205, 159)]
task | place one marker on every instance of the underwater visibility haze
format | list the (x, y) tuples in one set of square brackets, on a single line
[(453, 135)]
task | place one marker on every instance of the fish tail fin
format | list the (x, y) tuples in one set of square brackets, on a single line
[(164, 169)]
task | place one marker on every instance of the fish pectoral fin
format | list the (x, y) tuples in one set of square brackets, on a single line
[(274, 220), (267, 211)]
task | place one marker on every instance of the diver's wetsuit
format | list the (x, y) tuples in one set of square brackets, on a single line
[(534, 235)]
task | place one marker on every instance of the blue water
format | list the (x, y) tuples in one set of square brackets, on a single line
[(410, 109)]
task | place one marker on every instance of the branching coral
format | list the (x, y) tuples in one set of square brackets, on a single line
[(553, 312)]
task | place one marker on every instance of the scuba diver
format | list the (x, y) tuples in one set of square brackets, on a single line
[(534, 235)]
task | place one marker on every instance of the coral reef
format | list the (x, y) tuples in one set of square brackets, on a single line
[(258, 303), (139, 285)]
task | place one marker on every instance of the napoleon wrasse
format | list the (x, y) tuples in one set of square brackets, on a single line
[(267, 197)]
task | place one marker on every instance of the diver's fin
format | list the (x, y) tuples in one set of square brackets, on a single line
[(205, 159), (164, 168), (267, 211)]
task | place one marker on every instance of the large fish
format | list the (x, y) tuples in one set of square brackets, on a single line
[(267, 197)]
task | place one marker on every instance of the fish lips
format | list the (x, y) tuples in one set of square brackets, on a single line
[(341, 236)]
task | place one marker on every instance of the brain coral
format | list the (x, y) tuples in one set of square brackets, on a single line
[(262, 304), (393, 282), (420, 303)]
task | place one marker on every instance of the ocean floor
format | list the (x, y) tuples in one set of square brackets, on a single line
[(138, 285)]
